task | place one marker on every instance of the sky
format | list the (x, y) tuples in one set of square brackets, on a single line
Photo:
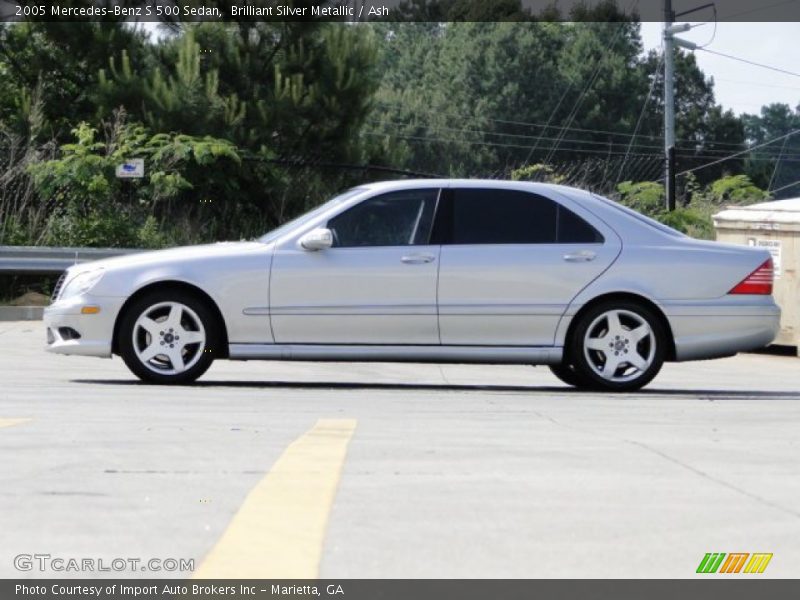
[(740, 87)]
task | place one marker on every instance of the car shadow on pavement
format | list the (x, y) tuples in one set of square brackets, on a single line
[(700, 394)]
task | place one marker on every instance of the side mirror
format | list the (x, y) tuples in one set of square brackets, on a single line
[(317, 239)]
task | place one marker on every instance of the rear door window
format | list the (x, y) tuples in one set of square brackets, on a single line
[(498, 216)]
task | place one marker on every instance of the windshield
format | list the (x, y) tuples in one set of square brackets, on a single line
[(311, 215), (640, 217)]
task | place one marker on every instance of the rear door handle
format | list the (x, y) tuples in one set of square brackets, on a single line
[(417, 259), (582, 256)]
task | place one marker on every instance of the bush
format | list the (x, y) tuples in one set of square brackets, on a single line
[(689, 220), (735, 189), (538, 172), (95, 208), (696, 218), (646, 197)]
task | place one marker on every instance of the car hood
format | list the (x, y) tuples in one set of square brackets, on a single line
[(172, 255)]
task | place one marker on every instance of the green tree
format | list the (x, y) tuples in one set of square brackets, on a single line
[(59, 60), (774, 166), (281, 92), (286, 88), (483, 98)]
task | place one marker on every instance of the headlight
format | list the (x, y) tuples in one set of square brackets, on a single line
[(80, 284)]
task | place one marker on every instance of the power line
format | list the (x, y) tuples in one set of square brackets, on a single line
[(550, 119), (684, 152), (602, 131), (641, 116), (793, 158), (758, 83), (750, 62), (760, 8), (600, 63), (563, 96), (778, 164), (553, 113), (579, 129), (716, 162), (317, 163), (497, 144), (714, 34), (785, 187), (512, 135), (545, 127)]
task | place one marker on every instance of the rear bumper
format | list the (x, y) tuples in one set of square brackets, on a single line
[(722, 329), (71, 332)]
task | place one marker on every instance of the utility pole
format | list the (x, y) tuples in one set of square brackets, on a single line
[(669, 104), (670, 41)]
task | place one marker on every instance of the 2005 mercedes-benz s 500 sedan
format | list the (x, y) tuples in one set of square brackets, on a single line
[(430, 271)]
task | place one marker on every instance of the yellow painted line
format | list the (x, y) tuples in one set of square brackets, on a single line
[(12, 422), (279, 531)]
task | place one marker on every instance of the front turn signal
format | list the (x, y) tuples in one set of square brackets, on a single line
[(90, 310)]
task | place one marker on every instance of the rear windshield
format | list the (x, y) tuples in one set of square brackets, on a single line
[(641, 218)]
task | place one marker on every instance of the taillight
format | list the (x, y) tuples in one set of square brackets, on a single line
[(758, 282)]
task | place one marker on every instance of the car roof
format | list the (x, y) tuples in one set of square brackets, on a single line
[(581, 196), (576, 194), (421, 183)]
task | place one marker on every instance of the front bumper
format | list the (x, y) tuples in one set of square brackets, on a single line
[(71, 332)]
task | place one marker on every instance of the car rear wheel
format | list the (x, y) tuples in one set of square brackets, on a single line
[(618, 346), (168, 337)]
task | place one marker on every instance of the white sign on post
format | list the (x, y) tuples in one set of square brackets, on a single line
[(131, 169)]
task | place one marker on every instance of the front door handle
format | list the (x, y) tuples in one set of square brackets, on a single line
[(582, 256), (417, 259)]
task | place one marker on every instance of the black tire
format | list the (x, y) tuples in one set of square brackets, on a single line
[(590, 364), (200, 354), (567, 374)]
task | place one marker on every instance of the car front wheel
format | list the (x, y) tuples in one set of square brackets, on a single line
[(618, 346), (168, 337)]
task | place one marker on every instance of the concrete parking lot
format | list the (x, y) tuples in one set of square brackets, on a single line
[(374, 470)]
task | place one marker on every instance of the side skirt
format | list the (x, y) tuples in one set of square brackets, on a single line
[(523, 355)]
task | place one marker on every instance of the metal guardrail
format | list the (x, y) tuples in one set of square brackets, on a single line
[(19, 260)]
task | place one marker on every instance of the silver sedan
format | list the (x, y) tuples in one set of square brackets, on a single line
[(435, 271)]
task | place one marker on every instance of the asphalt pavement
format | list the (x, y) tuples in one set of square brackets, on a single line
[(268, 469)]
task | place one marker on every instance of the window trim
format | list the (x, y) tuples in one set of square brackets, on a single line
[(598, 233), (438, 191), (443, 230)]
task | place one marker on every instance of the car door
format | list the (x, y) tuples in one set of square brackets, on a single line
[(511, 263), (375, 285)]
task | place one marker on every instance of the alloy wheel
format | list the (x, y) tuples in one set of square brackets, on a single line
[(619, 345), (168, 338)]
